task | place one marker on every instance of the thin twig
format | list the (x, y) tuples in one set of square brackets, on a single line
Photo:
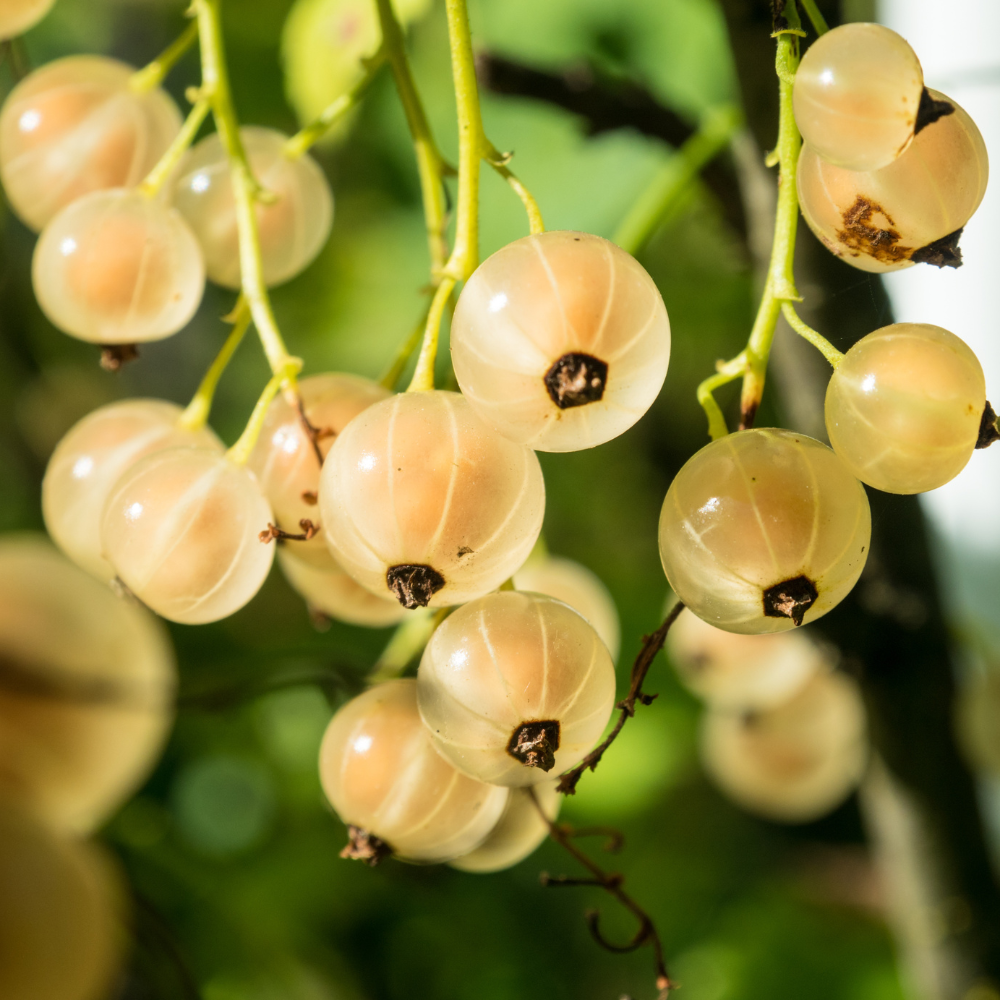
[(651, 645)]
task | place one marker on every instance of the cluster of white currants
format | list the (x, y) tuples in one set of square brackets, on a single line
[(117, 264), (86, 702), (891, 171), (784, 735)]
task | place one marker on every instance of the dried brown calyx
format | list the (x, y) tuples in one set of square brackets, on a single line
[(944, 252), (113, 356), (413, 584), (362, 845), (535, 744), (931, 110), (988, 430), (575, 380), (790, 599), (272, 532)]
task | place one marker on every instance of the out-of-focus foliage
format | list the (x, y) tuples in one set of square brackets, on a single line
[(230, 843)]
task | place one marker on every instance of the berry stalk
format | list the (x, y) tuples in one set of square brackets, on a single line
[(159, 175), (152, 75)]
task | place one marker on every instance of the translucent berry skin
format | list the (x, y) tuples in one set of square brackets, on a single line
[(577, 586), (17, 16), (519, 832), (292, 228), (284, 459), (61, 929), (794, 762), (420, 480), (331, 591), (94, 704), (904, 406), (117, 267), (740, 672), (857, 92), (754, 510), (878, 220), (180, 530), (551, 296), (381, 773), (92, 457), (508, 659), (75, 126)]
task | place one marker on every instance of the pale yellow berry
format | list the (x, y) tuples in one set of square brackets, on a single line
[(577, 586), (382, 775), (857, 93), (763, 530), (560, 341), (285, 460), (421, 500), (86, 689), (116, 267), (515, 685), (92, 457), (904, 406), (518, 833), (794, 762), (887, 219), (181, 530), (75, 126), (61, 930), (736, 671)]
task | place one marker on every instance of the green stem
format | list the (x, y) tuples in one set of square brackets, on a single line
[(240, 452), (410, 637), (818, 21), (814, 337), (398, 364), (215, 87), (664, 193), (727, 372), (159, 175), (195, 416), (155, 73), (498, 161), (316, 129), (423, 374)]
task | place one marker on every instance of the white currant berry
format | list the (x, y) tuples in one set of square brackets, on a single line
[(560, 341), (733, 671), (518, 833), (61, 927), (17, 16), (577, 586), (762, 530), (794, 762), (383, 776), (285, 458), (117, 267), (420, 499), (293, 222), (92, 457), (904, 407), (912, 210), (514, 685), (857, 94), (75, 126), (329, 590), (87, 702), (181, 530)]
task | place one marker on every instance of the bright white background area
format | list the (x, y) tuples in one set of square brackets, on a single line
[(959, 48)]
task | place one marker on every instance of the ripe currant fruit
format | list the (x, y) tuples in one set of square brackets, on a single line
[(733, 671), (86, 689), (181, 530), (762, 530), (287, 457), (518, 833), (117, 267), (92, 457), (560, 341), (75, 126), (794, 762), (513, 686), (17, 16), (911, 211), (419, 499), (857, 94), (386, 781), (904, 407), (293, 220)]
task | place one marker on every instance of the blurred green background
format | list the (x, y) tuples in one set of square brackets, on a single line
[(230, 848)]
